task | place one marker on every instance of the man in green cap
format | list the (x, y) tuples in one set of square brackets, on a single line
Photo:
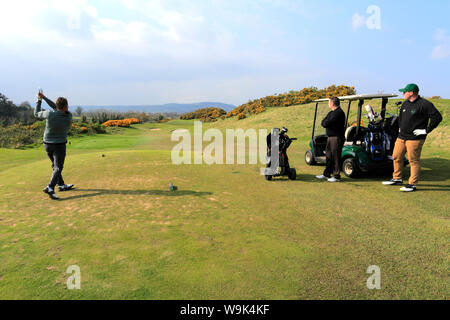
[(418, 117)]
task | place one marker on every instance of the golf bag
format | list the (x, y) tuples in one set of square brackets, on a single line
[(375, 141), (282, 161), (390, 128)]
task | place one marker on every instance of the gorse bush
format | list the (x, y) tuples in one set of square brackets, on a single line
[(241, 116), (89, 128), (291, 98), (120, 123), (206, 114), (18, 135)]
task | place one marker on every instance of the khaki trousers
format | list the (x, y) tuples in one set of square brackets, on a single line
[(414, 149)]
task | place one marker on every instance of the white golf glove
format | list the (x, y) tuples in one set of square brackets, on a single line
[(420, 132)]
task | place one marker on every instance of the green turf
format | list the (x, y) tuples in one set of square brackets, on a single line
[(226, 233)]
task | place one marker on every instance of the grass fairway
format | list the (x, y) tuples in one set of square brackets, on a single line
[(226, 233)]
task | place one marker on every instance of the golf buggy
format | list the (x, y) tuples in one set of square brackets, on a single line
[(278, 166), (366, 149)]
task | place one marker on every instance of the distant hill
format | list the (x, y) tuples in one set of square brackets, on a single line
[(169, 107)]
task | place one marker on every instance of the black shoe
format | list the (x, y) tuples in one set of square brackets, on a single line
[(408, 188), (66, 187), (51, 193)]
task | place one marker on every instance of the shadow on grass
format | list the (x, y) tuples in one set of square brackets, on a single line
[(307, 177), (99, 192), (433, 169), (433, 187), (300, 178), (440, 169)]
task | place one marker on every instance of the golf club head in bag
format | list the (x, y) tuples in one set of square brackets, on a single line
[(370, 113)]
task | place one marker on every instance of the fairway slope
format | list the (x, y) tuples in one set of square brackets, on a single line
[(226, 233)]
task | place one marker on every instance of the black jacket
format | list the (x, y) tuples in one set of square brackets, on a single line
[(416, 115), (334, 122)]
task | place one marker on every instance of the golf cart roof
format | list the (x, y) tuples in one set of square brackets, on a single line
[(362, 96)]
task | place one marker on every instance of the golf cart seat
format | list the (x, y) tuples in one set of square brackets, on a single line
[(320, 143), (350, 136)]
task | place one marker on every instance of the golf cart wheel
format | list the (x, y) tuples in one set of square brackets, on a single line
[(268, 178), (309, 158), (350, 168), (293, 174)]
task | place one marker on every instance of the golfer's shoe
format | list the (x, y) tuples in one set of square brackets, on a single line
[(322, 177), (393, 182), (408, 188), (66, 187), (51, 193), (333, 179)]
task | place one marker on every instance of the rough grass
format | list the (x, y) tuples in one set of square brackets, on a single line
[(226, 233)]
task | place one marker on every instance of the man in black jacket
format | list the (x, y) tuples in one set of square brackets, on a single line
[(418, 117), (334, 123)]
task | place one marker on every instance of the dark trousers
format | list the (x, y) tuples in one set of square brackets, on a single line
[(333, 152), (57, 155)]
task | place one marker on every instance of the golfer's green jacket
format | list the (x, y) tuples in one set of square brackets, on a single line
[(57, 123)]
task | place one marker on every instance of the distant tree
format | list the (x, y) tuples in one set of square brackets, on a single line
[(25, 105), (436, 97), (7, 107), (10, 113), (78, 111)]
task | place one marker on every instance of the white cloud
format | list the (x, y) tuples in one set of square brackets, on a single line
[(45, 21), (358, 21), (156, 51), (11, 26), (442, 50), (112, 30), (441, 35)]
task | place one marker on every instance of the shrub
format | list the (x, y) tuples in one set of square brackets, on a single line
[(303, 96), (99, 128), (17, 135), (205, 114), (241, 116), (120, 123)]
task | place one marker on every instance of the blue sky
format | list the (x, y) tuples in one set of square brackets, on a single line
[(111, 52)]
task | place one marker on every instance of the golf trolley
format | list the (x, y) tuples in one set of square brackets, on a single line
[(278, 165), (366, 149)]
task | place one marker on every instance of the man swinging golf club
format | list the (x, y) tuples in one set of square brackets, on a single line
[(58, 122), (334, 123), (418, 117)]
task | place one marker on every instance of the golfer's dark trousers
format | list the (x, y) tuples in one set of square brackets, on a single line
[(333, 152), (57, 155)]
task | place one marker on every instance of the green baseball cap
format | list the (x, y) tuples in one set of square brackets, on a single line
[(412, 87)]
